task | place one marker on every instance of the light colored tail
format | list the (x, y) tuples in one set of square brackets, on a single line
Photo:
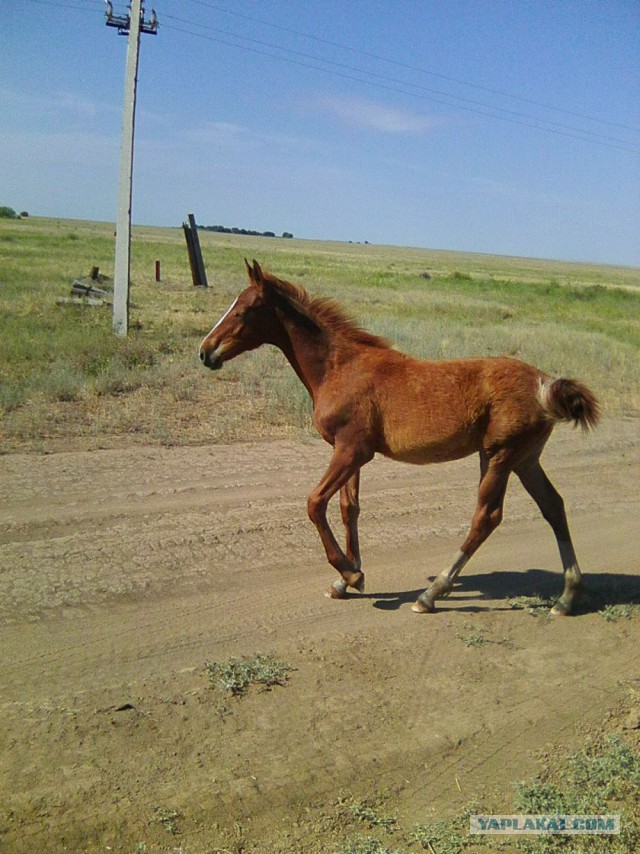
[(569, 400)]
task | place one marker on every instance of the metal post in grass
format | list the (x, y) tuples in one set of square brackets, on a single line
[(132, 25)]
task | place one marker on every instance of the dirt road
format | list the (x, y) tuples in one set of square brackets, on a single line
[(122, 572)]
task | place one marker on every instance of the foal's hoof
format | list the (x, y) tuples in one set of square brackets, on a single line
[(338, 589), (565, 604), (420, 607), (332, 593)]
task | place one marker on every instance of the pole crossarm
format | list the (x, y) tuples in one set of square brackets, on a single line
[(123, 22)]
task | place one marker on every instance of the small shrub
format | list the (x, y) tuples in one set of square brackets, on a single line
[(135, 353), (534, 605), (12, 397), (117, 380), (236, 674), (368, 813), (168, 819), (472, 639), (366, 845), (438, 836), (63, 383), (540, 799), (595, 776), (612, 772), (625, 610)]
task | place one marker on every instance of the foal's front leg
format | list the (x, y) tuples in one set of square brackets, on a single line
[(350, 510), (342, 474)]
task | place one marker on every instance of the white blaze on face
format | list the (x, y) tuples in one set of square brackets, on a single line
[(224, 317), (226, 314)]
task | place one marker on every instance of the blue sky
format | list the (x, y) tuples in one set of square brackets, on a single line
[(499, 126)]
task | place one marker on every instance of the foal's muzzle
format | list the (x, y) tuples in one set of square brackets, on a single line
[(211, 359)]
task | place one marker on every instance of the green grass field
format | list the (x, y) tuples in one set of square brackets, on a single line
[(67, 381)]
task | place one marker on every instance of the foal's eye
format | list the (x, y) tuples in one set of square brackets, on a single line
[(242, 312)]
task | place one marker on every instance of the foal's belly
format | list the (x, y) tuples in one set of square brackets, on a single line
[(436, 449)]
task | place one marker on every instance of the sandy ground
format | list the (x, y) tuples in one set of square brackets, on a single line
[(123, 572)]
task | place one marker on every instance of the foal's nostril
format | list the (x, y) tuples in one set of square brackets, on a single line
[(203, 356)]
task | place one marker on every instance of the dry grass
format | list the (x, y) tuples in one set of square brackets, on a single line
[(67, 382)]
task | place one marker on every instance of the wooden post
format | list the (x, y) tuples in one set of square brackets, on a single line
[(202, 276), (189, 239), (198, 273), (158, 279)]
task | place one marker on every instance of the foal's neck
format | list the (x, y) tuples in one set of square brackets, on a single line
[(308, 355)]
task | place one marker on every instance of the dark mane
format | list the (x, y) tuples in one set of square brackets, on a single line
[(325, 314)]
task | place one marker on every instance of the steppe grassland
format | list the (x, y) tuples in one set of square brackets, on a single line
[(68, 381)]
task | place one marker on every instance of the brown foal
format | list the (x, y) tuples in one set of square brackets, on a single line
[(369, 398)]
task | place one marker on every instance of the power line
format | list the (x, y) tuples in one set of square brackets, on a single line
[(390, 83), (531, 122), (389, 60), (477, 105), (59, 5)]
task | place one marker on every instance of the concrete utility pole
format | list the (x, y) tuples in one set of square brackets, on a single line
[(132, 25)]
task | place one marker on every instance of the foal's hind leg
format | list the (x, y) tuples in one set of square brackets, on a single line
[(551, 505), (493, 484)]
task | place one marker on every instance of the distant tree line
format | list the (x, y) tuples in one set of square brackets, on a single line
[(222, 229), (9, 213)]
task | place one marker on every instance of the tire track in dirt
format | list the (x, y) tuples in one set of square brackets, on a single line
[(122, 572)]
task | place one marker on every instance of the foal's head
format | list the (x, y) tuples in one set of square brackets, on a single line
[(249, 322)]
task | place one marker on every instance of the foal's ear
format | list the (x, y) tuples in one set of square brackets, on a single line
[(255, 272)]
